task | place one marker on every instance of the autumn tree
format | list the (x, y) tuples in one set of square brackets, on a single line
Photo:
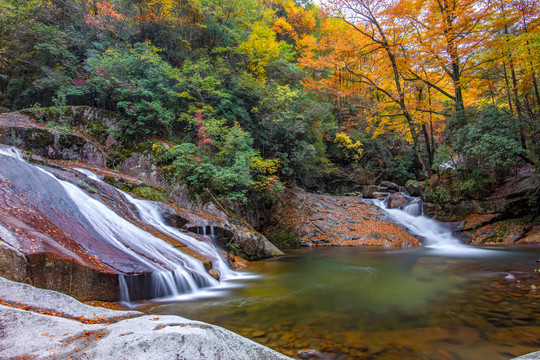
[(370, 55)]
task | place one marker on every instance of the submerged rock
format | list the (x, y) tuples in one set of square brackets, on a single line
[(45, 324)]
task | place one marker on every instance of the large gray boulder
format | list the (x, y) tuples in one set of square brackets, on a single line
[(531, 356), (45, 324), (414, 188)]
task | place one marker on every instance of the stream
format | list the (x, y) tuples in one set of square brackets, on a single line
[(442, 301)]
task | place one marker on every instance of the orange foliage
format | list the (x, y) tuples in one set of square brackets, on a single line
[(103, 16)]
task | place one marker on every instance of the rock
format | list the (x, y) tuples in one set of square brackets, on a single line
[(523, 335), (53, 144), (84, 332), (13, 263), (337, 220), (531, 356), (390, 185), (397, 200), (311, 354), (532, 236), (414, 188), (368, 190), (215, 273), (259, 333), (142, 166)]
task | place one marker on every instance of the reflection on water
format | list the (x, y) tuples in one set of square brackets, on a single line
[(373, 303)]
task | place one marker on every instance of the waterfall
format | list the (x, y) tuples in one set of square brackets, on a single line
[(436, 235), (148, 266), (150, 214)]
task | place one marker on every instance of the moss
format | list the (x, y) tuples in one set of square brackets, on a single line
[(40, 138), (282, 238), (77, 118), (68, 141), (119, 154), (150, 193)]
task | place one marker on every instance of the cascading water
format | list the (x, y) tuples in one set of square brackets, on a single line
[(436, 235), (150, 213), (149, 267)]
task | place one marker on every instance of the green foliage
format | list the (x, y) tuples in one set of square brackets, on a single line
[(484, 150), (489, 141), (221, 84), (219, 164), (149, 193), (283, 238)]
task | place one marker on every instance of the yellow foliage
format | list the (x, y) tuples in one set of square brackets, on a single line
[(354, 150), (262, 48), (265, 166)]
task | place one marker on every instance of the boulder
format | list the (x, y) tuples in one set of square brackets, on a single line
[(249, 243), (414, 188), (531, 356), (336, 220), (390, 185), (44, 324), (397, 200), (369, 190)]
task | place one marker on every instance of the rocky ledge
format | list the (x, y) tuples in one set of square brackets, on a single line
[(43, 324), (336, 220)]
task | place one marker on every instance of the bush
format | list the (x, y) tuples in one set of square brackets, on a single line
[(489, 141)]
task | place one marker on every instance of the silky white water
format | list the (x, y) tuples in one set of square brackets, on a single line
[(436, 235), (146, 262)]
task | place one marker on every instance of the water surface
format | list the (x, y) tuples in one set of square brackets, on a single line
[(384, 303)]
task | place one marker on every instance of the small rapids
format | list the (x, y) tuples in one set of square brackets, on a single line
[(148, 267), (437, 236)]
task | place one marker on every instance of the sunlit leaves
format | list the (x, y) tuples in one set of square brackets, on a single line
[(263, 48)]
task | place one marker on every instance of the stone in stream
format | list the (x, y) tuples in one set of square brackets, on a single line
[(397, 200), (311, 354), (414, 188)]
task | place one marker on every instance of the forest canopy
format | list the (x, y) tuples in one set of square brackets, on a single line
[(253, 95)]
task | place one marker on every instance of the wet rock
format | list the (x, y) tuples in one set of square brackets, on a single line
[(397, 200), (414, 188), (524, 335), (215, 273), (13, 263), (258, 334), (311, 354), (531, 236)]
